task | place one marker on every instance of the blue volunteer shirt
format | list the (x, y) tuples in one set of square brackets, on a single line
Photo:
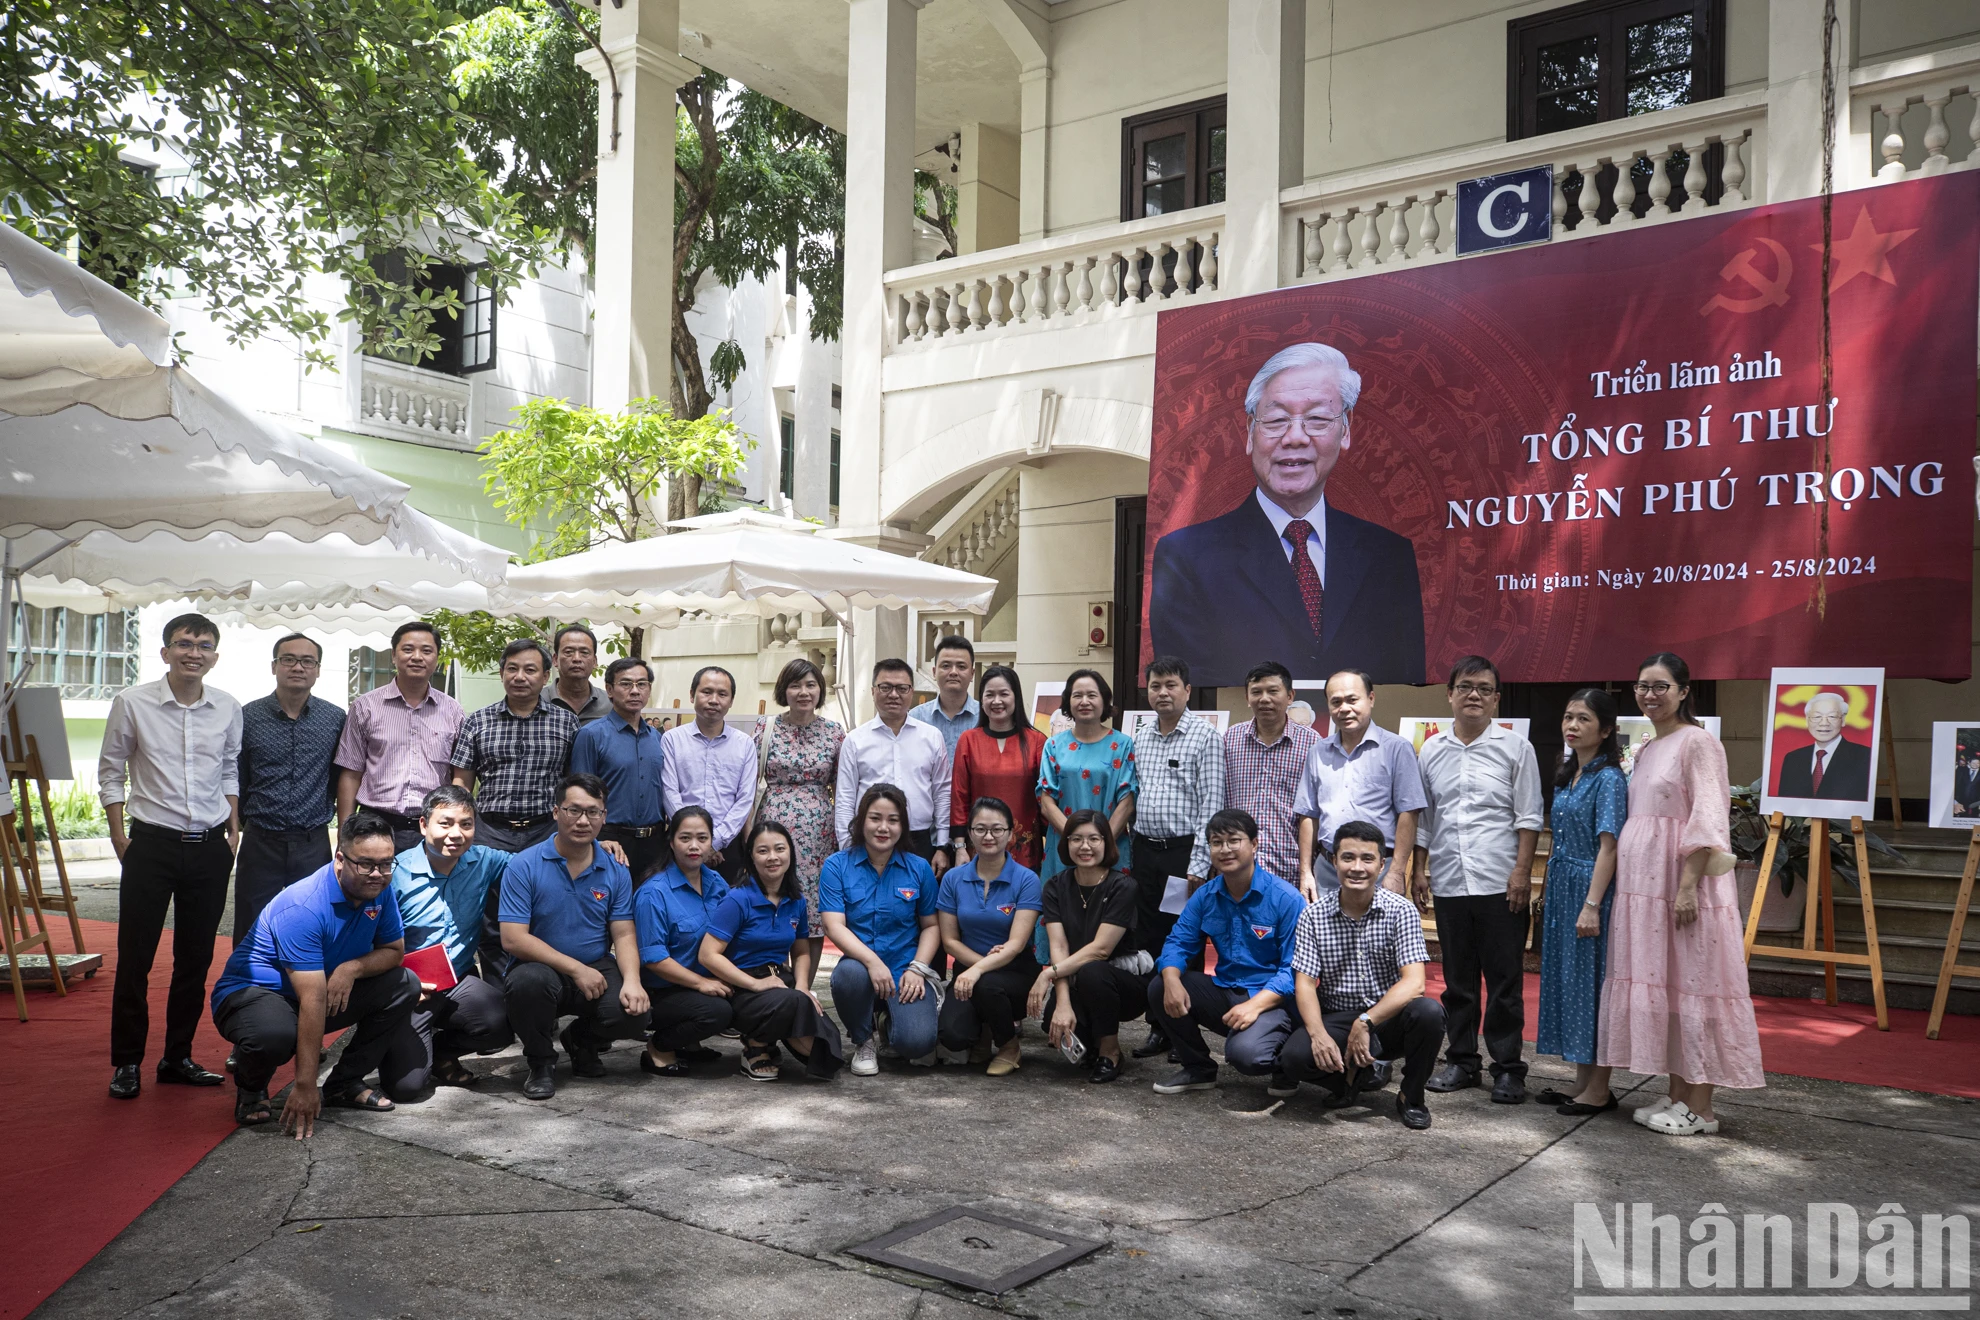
[(884, 911), (627, 758), (571, 915), (311, 926), (1254, 938), (670, 916), (446, 909), (985, 921), (758, 930)]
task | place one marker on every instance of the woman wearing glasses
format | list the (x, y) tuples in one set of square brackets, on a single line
[(986, 913), (879, 902), (1089, 909), (670, 913), (999, 759), (756, 943), (1675, 999)]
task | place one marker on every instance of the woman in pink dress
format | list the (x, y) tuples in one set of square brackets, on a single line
[(1676, 999)]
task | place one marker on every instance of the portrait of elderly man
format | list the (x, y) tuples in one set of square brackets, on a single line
[(1832, 768), (1285, 575)]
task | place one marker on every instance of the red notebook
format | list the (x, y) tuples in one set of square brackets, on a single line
[(431, 966)]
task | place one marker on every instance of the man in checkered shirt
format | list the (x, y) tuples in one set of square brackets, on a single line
[(1358, 960), (512, 754)]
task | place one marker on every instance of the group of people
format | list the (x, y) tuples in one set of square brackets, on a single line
[(553, 856)]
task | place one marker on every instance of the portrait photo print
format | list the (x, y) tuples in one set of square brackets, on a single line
[(1955, 774), (1822, 732)]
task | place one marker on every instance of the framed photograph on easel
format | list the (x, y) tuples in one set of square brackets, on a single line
[(1823, 730)]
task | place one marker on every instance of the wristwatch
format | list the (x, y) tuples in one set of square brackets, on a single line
[(1366, 1021)]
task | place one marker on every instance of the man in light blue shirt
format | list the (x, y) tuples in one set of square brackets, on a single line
[(1357, 772), (953, 712), (707, 764), (442, 886)]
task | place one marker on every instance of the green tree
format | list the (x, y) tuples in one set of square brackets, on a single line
[(280, 138)]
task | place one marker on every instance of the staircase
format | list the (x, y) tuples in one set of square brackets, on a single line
[(1914, 901)]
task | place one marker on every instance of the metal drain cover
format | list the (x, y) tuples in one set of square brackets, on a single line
[(982, 1251)]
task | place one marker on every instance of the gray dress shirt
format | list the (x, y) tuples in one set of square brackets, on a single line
[(1480, 795)]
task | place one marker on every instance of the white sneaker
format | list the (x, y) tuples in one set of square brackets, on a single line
[(866, 1060), (1650, 1111), (1679, 1121)]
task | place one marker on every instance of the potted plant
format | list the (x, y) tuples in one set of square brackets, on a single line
[(1781, 911)]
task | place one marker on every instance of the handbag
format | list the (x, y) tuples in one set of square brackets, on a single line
[(763, 723)]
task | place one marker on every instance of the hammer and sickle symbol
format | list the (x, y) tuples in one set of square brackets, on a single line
[(1771, 293)]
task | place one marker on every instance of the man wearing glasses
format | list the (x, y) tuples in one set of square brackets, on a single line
[(911, 755), (170, 771), (1480, 826), (1284, 575), (288, 792)]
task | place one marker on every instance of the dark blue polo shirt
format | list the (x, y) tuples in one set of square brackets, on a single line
[(985, 920), (757, 931), (572, 916), (1254, 938), (627, 758), (883, 911), (670, 916), (311, 926)]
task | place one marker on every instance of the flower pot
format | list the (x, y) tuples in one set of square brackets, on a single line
[(1779, 912)]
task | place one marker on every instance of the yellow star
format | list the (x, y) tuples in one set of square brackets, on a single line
[(1864, 252)]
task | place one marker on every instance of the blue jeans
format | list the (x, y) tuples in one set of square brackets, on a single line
[(912, 1029)]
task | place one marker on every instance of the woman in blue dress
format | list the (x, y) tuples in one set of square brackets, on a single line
[(1591, 800), (1089, 767)]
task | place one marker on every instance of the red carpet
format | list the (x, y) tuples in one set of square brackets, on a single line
[(80, 1166)]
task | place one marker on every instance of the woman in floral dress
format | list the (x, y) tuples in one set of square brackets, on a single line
[(799, 753)]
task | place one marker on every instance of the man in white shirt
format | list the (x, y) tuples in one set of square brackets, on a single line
[(1482, 785), (169, 776), (708, 764), (892, 749)]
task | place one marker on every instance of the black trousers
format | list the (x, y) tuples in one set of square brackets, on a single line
[(190, 879), (645, 855), (1155, 860), (1480, 936), (405, 829), (997, 1002), (683, 1018), (1103, 996), (766, 1016), (1412, 1035), (1253, 1051), (469, 1016), (539, 995), (919, 842), (269, 862), (262, 1026)]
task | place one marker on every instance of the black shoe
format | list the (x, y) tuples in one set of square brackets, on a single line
[(584, 1060), (1377, 1076), (699, 1054), (233, 1057), (1553, 1095), (124, 1083), (1414, 1116), (1281, 1085), (674, 1069), (1509, 1089), (1575, 1109), (1157, 1043), (1105, 1069), (1340, 1099), (1453, 1077), (1187, 1081), (184, 1072), (542, 1083)]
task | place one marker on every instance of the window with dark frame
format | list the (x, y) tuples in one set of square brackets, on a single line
[(91, 657), (833, 496), (467, 341), (787, 456), (1172, 159), (1610, 59)]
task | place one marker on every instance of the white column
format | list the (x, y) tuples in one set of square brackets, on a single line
[(1793, 164), (632, 276), (1266, 147), (1034, 112)]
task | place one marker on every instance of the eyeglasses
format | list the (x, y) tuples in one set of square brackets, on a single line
[(1474, 690), (1653, 689), (363, 867), (1312, 424), (582, 813), (989, 831), (189, 647), (893, 689), (297, 661)]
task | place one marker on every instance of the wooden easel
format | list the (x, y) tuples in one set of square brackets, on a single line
[(1820, 884), (1950, 966), (28, 774), (1887, 771), (15, 938)]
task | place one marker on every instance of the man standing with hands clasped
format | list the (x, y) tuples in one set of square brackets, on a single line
[(1181, 762), (397, 737), (516, 750), (287, 741), (171, 758), (1482, 782), (709, 765)]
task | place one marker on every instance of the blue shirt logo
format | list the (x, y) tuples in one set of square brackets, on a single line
[(1262, 932)]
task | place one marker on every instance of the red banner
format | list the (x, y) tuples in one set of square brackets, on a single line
[(1570, 457)]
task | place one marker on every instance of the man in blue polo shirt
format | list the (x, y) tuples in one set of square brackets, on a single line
[(624, 750), (442, 887), (322, 956), (1250, 915), (567, 919)]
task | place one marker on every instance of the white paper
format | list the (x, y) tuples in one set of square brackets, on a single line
[(1175, 894)]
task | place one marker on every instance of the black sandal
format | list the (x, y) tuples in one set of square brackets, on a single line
[(360, 1096), (759, 1064), (451, 1072), (251, 1108)]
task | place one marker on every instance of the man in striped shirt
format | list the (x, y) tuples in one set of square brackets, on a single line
[(1263, 760)]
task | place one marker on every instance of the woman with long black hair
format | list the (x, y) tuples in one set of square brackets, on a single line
[(999, 759)]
